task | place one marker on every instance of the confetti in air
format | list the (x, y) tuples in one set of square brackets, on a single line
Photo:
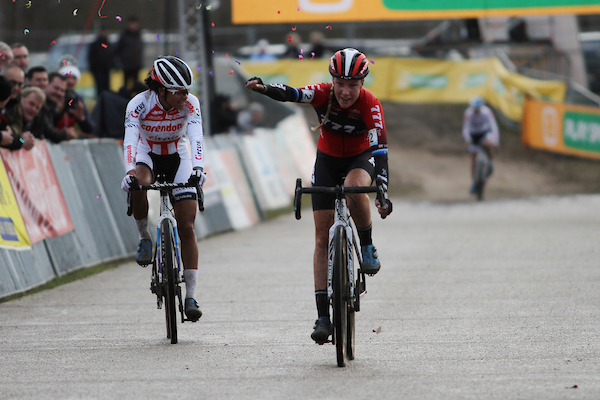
[(100, 10), (158, 38), (118, 18), (328, 27), (231, 73), (211, 73), (212, 24), (294, 28), (208, 8), (104, 45), (226, 55), (21, 140), (26, 31), (27, 5), (312, 55), (290, 38), (98, 196), (52, 42), (372, 62), (75, 12), (238, 63)]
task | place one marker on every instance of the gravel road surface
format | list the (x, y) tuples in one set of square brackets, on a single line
[(492, 300)]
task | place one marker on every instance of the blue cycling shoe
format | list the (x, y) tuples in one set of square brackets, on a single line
[(144, 252), (192, 311), (370, 264), (323, 329)]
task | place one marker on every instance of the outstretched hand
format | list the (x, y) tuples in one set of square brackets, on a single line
[(256, 84)]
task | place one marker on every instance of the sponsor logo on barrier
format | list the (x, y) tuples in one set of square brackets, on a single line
[(581, 131), (550, 126), (8, 232)]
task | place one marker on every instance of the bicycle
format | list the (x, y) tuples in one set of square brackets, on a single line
[(343, 292), (167, 271), (481, 171)]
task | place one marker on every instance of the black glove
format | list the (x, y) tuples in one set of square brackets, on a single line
[(260, 82)]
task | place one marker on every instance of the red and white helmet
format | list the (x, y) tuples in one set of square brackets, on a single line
[(173, 73), (349, 64)]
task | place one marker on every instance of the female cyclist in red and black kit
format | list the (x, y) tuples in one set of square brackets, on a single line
[(352, 145)]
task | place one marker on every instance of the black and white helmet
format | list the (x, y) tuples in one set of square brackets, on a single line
[(173, 73)]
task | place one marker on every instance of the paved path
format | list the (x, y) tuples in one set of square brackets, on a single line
[(498, 300)]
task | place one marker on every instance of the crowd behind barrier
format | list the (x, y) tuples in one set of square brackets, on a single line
[(62, 208)]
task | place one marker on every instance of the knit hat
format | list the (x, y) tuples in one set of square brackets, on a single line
[(70, 69), (5, 88)]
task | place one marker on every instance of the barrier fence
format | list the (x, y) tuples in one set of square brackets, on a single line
[(62, 208)]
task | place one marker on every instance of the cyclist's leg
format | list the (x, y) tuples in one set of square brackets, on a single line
[(185, 213), (140, 214), (323, 328)]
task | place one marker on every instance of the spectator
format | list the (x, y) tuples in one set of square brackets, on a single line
[(7, 138), (6, 55), (16, 78), (101, 61), (261, 51), (22, 118), (43, 125), (293, 47), (317, 49), (73, 110), (250, 118), (38, 76), (21, 55), (108, 114), (130, 50), (225, 116)]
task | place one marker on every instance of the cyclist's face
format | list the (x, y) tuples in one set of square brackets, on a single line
[(176, 99), (346, 91)]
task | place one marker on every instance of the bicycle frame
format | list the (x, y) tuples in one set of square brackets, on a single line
[(342, 217), (165, 213)]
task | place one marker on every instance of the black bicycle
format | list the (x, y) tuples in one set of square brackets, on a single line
[(481, 171), (343, 291), (167, 271)]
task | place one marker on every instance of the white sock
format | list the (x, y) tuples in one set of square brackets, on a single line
[(191, 277), (142, 226)]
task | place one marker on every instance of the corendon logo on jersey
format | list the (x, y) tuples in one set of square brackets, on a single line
[(162, 128)]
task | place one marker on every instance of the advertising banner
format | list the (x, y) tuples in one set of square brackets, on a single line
[(562, 128), (38, 194), (419, 80), (12, 227), (296, 11)]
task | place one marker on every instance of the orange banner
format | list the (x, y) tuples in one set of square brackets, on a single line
[(37, 191)]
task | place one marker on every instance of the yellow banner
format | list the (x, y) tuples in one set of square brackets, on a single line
[(562, 128), (330, 11), (12, 227), (419, 80)]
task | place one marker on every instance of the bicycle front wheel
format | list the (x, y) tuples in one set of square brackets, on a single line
[(481, 166), (169, 275), (340, 294)]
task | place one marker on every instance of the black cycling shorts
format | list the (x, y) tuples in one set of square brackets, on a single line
[(165, 168), (331, 171)]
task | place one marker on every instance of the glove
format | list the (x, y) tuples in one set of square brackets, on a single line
[(128, 182), (198, 175), (259, 82)]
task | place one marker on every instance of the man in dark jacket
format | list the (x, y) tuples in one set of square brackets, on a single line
[(130, 50), (101, 61)]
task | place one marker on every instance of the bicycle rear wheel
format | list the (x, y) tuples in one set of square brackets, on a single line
[(340, 294), (169, 266)]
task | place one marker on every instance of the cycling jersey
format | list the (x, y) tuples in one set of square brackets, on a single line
[(347, 132), (151, 129), (482, 124)]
